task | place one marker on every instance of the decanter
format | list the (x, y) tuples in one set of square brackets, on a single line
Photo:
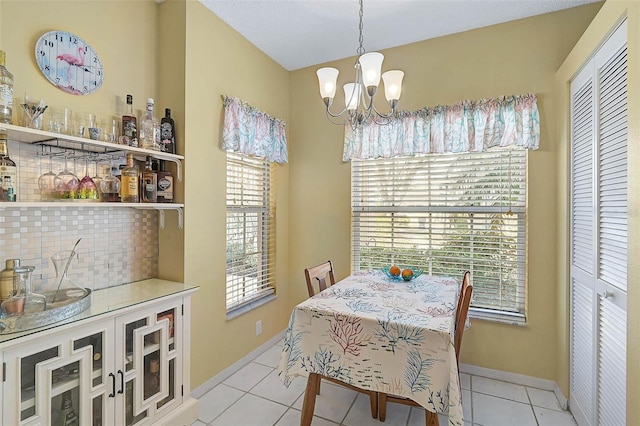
[(24, 299), (65, 289)]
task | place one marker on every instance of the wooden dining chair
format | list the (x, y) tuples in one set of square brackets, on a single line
[(464, 300), (319, 274)]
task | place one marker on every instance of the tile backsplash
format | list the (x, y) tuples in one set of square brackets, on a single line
[(119, 244)]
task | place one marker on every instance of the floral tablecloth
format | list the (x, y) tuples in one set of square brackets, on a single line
[(380, 334)]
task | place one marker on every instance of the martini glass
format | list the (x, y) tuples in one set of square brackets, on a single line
[(47, 183), (87, 189), (66, 183)]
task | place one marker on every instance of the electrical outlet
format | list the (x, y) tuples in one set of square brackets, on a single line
[(258, 327)]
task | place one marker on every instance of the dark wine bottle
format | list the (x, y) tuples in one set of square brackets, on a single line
[(167, 133), (165, 184)]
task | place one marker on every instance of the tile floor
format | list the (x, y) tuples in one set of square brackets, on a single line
[(255, 396)]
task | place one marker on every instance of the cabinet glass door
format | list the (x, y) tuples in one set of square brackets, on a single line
[(29, 385), (57, 380), (173, 329), (102, 387), (145, 374)]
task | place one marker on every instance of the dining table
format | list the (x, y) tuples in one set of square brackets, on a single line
[(379, 333)]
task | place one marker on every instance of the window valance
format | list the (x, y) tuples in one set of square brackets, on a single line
[(467, 126), (249, 131)]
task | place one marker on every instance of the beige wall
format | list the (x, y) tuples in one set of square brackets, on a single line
[(608, 18), (219, 61), (122, 33), (511, 58), (170, 72)]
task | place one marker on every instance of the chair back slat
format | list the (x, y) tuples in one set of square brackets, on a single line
[(319, 273), (463, 309)]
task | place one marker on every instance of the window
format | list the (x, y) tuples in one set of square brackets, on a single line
[(447, 214), (250, 230)]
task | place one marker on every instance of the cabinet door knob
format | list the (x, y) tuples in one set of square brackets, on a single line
[(113, 385), (121, 391), (607, 294)]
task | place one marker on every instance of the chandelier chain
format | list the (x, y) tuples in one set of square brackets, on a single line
[(361, 50)]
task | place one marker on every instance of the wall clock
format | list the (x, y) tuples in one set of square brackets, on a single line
[(69, 62)]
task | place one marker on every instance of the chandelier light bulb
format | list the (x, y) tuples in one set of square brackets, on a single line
[(352, 93), (392, 84), (327, 78), (371, 64)]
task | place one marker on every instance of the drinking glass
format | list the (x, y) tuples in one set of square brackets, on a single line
[(79, 125), (60, 120), (32, 112), (47, 182), (112, 131), (110, 186), (66, 183), (94, 128), (87, 189)]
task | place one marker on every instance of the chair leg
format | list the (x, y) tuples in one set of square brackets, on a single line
[(373, 400), (309, 402), (431, 418), (382, 406)]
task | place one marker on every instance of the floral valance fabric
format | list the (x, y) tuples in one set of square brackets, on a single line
[(468, 126), (249, 131)]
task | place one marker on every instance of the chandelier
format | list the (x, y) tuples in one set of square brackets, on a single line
[(359, 95)]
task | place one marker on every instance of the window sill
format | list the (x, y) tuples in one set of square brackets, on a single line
[(502, 317), (236, 312)]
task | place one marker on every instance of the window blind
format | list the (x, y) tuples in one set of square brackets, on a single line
[(250, 231), (447, 214)]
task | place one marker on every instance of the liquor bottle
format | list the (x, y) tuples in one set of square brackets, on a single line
[(6, 91), (149, 137), (129, 125), (165, 184), (8, 171), (129, 182), (167, 133), (68, 416), (149, 183)]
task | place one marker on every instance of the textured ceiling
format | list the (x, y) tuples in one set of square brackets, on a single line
[(300, 33)]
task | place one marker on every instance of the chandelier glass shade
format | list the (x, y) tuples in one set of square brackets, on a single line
[(359, 95)]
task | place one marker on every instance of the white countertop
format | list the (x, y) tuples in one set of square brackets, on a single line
[(112, 299)]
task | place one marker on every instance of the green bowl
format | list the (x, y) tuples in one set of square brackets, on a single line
[(416, 273)]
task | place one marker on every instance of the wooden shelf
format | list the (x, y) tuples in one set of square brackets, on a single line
[(80, 203), (42, 137), (59, 140)]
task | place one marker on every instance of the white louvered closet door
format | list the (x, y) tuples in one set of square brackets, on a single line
[(599, 236)]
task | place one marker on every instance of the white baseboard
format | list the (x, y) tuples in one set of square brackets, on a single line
[(519, 379), (228, 372)]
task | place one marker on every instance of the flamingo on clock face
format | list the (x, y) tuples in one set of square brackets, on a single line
[(72, 60)]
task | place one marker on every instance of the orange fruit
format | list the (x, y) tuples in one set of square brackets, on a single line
[(394, 270), (407, 274)]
